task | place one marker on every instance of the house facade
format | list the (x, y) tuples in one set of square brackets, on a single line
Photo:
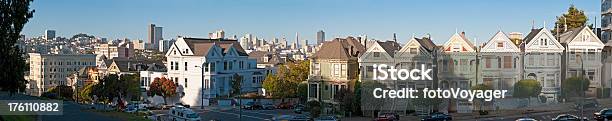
[(332, 67), (203, 70), (500, 62), (542, 62), (458, 68), (583, 57)]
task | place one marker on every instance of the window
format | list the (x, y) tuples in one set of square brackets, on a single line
[(337, 70), (213, 66), (241, 65), (206, 67), (206, 84), (376, 54), (343, 70), (500, 44), (487, 63), (185, 82), (225, 65), (507, 62), (185, 66), (413, 50), (171, 65)]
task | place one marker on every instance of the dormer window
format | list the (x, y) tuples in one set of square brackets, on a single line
[(413, 50), (376, 54), (500, 44)]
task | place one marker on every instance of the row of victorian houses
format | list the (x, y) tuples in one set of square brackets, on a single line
[(459, 63)]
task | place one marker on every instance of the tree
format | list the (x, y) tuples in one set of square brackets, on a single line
[(527, 88), (573, 18), (85, 93), (236, 85), (574, 87), (14, 14), (162, 87), (131, 90), (303, 92), (60, 92)]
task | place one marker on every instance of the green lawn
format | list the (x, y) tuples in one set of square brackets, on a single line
[(122, 115)]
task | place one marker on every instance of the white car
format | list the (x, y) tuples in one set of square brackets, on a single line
[(180, 113)]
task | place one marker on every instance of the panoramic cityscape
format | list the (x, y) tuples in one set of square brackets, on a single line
[(305, 60)]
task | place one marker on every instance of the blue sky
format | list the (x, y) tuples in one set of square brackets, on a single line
[(267, 19)]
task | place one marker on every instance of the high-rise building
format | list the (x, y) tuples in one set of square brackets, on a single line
[(164, 45), (320, 37), (49, 34), (219, 34), (297, 40), (154, 35), (606, 20)]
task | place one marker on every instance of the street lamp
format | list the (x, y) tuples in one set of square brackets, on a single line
[(202, 86)]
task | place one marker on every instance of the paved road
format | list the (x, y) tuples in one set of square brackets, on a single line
[(547, 115), (247, 115)]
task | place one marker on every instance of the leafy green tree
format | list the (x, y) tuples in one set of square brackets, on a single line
[(85, 93), (162, 87), (236, 85), (14, 14), (527, 88), (131, 90), (574, 87), (573, 18)]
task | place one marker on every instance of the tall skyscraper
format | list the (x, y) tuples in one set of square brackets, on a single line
[(606, 20), (49, 34), (320, 37), (219, 34), (154, 35), (297, 39)]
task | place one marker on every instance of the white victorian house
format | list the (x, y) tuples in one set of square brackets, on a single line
[(500, 61), (203, 69), (542, 61), (457, 68), (583, 57)]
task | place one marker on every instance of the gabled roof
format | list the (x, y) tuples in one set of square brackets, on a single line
[(508, 45), (426, 43), (126, 65), (461, 38), (569, 35), (340, 49), (390, 47), (531, 35), (201, 46)]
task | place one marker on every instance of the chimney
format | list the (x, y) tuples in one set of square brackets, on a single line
[(462, 34)]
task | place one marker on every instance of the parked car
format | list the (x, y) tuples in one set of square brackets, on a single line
[(603, 114), (327, 118), (526, 119), (284, 105), (252, 106), (387, 117), (180, 113), (568, 117), (181, 104), (268, 106), (157, 117), (437, 116), (130, 109)]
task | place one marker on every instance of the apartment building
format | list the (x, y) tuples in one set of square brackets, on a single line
[(50, 70), (120, 50)]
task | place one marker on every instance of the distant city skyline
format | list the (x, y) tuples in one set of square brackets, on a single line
[(480, 20)]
